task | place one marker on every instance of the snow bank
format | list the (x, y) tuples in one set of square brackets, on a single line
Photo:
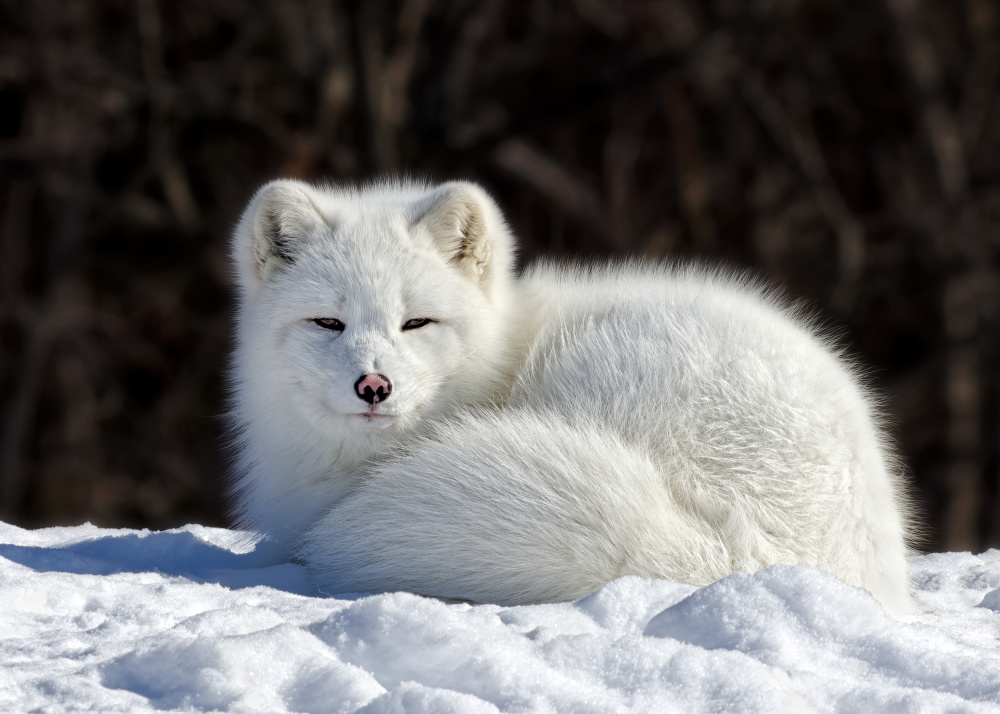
[(194, 619)]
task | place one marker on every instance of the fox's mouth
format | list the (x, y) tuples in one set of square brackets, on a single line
[(374, 419)]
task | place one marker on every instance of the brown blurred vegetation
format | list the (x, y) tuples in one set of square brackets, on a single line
[(847, 149)]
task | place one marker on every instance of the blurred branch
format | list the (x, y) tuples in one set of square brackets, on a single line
[(922, 66), (556, 183), (695, 187), (580, 102), (382, 76), (618, 161), (462, 64), (171, 172), (960, 257), (983, 79), (798, 143), (18, 421), (962, 389)]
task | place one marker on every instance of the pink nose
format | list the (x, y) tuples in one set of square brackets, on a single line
[(373, 388)]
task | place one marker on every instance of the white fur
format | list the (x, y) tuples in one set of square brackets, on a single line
[(546, 434)]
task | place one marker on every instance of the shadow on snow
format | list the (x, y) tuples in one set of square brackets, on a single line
[(171, 553)]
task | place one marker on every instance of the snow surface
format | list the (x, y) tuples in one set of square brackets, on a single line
[(194, 619)]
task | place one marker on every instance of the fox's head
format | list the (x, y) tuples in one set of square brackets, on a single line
[(370, 309)]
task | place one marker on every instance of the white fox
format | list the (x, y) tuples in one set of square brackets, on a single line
[(411, 416)]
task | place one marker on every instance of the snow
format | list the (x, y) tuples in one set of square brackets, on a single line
[(196, 619)]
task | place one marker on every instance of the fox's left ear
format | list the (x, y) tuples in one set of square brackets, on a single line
[(465, 224), (281, 218)]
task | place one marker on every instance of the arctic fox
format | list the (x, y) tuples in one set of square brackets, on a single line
[(409, 415)]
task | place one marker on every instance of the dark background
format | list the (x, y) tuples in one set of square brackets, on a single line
[(846, 149)]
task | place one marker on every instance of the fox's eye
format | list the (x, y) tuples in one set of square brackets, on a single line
[(330, 323), (417, 322)]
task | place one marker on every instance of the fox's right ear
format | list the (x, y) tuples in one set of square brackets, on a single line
[(280, 218), (465, 224)]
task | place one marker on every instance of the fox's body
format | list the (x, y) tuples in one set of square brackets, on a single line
[(448, 429)]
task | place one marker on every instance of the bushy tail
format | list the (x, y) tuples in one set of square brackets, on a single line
[(513, 510), (525, 508)]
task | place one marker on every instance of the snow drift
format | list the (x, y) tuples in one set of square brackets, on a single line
[(194, 619)]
